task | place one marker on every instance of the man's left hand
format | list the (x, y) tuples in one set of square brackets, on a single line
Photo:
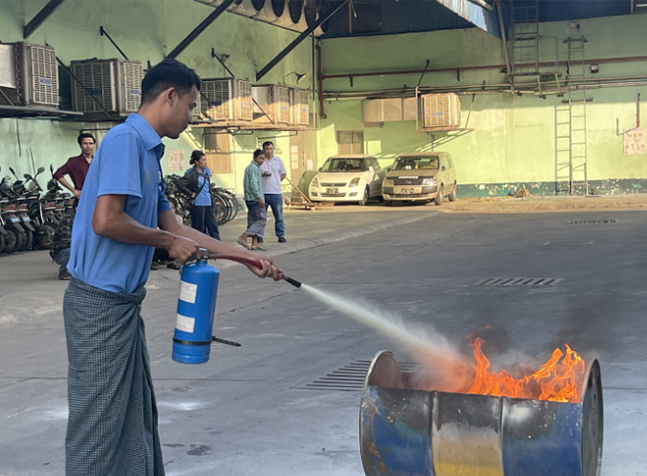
[(268, 270)]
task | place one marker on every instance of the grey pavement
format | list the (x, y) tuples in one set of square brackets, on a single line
[(238, 415)]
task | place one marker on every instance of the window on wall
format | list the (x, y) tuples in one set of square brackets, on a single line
[(350, 142)]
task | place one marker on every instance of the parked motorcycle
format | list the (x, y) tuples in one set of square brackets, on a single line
[(40, 210), (21, 195), (15, 236)]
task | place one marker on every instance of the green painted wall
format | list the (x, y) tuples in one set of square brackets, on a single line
[(514, 141), (145, 30)]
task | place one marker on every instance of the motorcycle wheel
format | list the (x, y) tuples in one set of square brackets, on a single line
[(45, 236), (1, 243), (28, 241), (13, 241)]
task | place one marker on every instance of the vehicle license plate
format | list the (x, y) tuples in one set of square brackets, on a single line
[(332, 190), (406, 191)]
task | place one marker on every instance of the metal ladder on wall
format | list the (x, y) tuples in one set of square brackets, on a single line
[(525, 40), (524, 20), (576, 107)]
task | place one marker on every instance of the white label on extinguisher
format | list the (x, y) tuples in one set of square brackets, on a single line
[(185, 324), (188, 292)]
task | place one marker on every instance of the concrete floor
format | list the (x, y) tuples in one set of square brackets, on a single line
[(237, 414)]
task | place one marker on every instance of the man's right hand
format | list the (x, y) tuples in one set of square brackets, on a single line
[(261, 202), (77, 193), (183, 249)]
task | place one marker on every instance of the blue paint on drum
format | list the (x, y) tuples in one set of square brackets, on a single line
[(395, 444), (547, 442)]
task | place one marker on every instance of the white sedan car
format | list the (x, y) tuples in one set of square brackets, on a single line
[(348, 178)]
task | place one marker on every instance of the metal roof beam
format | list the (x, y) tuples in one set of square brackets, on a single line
[(322, 19), (40, 17), (484, 18), (199, 29)]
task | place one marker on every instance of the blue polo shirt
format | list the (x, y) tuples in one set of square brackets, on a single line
[(126, 163), (203, 199)]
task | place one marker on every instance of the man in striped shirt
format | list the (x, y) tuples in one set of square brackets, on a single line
[(256, 213)]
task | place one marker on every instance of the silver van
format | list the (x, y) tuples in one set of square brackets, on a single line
[(420, 176)]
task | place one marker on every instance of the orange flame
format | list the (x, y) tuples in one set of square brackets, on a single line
[(556, 381)]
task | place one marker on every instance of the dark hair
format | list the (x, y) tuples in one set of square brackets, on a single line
[(169, 73), (269, 142), (196, 155), (258, 152), (85, 135)]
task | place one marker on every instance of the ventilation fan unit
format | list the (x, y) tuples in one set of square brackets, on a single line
[(28, 75), (113, 83), (273, 104), (300, 107), (227, 99), (440, 111)]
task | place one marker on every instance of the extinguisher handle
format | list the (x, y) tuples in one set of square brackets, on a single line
[(251, 262)]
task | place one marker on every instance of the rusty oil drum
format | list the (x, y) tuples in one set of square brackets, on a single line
[(409, 432)]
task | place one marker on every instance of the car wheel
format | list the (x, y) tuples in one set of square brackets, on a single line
[(387, 203), (439, 197), (452, 196), (365, 198)]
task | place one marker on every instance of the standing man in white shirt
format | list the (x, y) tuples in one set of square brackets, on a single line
[(273, 172)]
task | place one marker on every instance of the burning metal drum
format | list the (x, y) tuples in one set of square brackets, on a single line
[(413, 432)]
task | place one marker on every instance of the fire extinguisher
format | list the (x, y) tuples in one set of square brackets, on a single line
[(195, 312), (196, 308)]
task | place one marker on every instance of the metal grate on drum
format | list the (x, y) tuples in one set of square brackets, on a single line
[(348, 378), (519, 282)]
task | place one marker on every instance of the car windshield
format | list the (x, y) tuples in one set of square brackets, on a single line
[(414, 163), (344, 165)]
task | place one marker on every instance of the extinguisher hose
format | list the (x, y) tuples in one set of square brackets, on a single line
[(251, 262)]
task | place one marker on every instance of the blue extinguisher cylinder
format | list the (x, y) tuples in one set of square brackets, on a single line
[(196, 308)]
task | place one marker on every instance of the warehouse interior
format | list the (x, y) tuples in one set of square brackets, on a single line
[(540, 95)]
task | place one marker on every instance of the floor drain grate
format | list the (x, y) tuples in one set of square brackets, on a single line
[(590, 222), (348, 378), (569, 243), (519, 282)]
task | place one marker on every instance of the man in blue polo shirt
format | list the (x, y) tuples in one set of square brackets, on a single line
[(122, 217)]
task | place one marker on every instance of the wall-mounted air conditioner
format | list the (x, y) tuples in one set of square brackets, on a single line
[(115, 84), (273, 104), (376, 111), (28, 75), (300, 107), (227, 99), (440, 111)]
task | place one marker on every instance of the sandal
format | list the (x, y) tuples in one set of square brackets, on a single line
[(155, 266), (258, 248), (243, 244), (173, 265)]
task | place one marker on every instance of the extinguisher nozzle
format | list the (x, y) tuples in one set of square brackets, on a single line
[(293, 282)]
